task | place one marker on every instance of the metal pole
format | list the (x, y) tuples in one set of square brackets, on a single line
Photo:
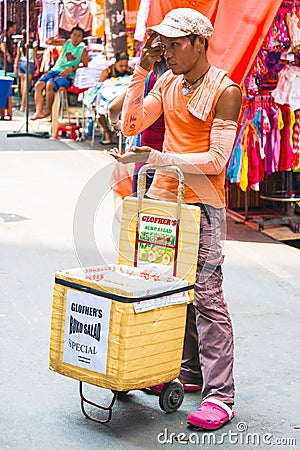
[(4, 34), (27, 64)]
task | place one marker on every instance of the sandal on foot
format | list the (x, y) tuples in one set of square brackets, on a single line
[(105, 142), (211, 415)]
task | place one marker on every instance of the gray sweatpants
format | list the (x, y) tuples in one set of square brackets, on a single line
[(208, 345)]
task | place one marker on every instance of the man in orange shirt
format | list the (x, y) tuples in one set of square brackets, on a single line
[(201, 106)]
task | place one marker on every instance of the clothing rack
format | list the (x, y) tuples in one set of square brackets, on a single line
[(289, 4), (257, 97), (250, 104)]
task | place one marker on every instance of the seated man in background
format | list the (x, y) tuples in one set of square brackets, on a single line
[(62, 74), (119, 69)]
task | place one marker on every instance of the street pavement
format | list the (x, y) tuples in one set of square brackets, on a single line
[(46, 224)]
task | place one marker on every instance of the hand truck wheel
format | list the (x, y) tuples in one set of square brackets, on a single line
[(171, 397)]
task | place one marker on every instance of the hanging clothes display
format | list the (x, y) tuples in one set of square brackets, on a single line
[(296, 141), (141, 20), (131, 11), (268, 140), (48, 21), (292, 21), (16, 11), (76, 12), (98, 14), (287, 91)]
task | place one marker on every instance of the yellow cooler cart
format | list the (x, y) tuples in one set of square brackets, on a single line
[(121, 327)]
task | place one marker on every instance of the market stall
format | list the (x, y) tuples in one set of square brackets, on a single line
[(266, 156)]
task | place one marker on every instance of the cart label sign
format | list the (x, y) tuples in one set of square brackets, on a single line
[(86, 331), (157, 240)]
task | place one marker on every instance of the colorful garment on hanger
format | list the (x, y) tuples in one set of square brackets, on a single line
[(277, 37), (292, 22), (255, 167), (286, 145), (142, 16), (244, 164), (276, 124), (296, 141), (282, 35), (234, 165), (98, 14), (131, 10), (287, 91), (265, 130), (49, 21), (76, 12)]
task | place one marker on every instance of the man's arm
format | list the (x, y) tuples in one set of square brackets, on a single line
[(36, 59), (84, 60), (103, 76), (55, 41), (6, 52), (114, 111), (139, 113), (17, 60), (222, 138), (229, 104)]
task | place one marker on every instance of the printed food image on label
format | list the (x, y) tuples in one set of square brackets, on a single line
[(157, 240)]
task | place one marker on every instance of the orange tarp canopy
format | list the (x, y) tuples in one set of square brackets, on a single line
[(240, 27)]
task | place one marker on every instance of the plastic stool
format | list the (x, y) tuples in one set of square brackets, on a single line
[(68, 131)]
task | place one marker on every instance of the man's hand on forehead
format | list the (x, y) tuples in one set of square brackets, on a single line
[(153, 40), (151, 52)]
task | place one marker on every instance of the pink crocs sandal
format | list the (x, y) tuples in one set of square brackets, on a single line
[(211, 415)]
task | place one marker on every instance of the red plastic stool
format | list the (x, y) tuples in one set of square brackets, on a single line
[(68, 131)]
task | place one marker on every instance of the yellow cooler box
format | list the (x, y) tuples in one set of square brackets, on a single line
[(118, 327)]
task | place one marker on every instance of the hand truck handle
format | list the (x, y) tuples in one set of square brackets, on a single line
[(142, 180), (140, 195)]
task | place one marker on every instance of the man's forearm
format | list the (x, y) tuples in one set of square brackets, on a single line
[(212, 162), (137, 113), (55, 41), (132, 110)]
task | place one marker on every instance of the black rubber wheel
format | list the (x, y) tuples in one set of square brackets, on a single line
[(171, 397), (261, 226)]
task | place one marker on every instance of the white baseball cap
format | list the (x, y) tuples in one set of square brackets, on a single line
[(182, 22)]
